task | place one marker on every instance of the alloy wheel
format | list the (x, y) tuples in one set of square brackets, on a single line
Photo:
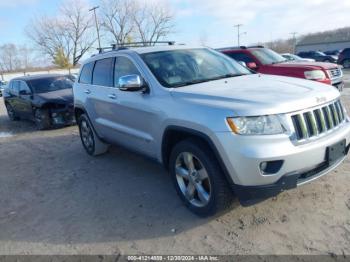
[(86, 135), (192, 179)]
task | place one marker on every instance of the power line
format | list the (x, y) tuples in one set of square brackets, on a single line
[(97, 28)]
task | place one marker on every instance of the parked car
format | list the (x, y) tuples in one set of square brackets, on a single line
[(344, 58), (319, 56), (216, 126), (45, 99), (333, 52), (266, 61), (292, 57)]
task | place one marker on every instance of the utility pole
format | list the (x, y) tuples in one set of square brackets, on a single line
[(294, 41), (97, 29), (238, 33)]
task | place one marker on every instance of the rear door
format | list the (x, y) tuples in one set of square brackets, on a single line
[(24, 102), (98, 97), (13, 96)]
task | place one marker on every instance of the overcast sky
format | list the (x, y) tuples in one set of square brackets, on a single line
[(209, 20)]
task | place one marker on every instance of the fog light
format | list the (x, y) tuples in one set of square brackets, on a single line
[(263, 166), (271, 167)]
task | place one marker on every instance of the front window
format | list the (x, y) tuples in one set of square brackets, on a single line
[(177, 68), (49, 84), (267, 56)]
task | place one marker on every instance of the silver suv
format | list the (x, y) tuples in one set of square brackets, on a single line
[(217, 127)]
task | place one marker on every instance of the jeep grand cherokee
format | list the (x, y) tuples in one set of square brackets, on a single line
[(213, 124)]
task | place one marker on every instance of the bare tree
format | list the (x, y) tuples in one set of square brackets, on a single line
[(153, 21), (9, 58), (69, 32), (117, 19), (77, 22)]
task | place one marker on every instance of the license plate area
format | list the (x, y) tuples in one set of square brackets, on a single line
[(336, 152)]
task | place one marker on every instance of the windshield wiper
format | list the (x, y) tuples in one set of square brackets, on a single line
[(208, 80)]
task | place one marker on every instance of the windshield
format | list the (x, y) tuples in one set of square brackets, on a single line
[(49, 84), (267, 56), (177, 68)]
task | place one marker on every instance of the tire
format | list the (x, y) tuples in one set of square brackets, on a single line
[(346, 63), (11, 112), (92, 144), (42, 119), (206, 175)]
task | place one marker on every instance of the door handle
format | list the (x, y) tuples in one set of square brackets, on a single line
[(87, 91), (112, 96)]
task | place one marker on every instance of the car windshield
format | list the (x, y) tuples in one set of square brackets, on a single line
[(49, 84), (177, 68), (267, 56)]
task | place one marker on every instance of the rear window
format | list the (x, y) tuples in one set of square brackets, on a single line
[(241, 57), (86, 73), (103, 72)]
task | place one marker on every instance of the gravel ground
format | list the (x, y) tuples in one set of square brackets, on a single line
[(55, 199)]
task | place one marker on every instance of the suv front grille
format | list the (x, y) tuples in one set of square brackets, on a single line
[(310, 124), (335, 73)]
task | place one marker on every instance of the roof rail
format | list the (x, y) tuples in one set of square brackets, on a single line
[(133, 44)]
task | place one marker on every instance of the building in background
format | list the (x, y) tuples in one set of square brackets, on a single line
[(325, 41)]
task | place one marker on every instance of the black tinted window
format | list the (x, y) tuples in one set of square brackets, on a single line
[(24, 87), (241, 57), (86, 73), (49, 84), (103, 72), (15, 87), (124, 67)]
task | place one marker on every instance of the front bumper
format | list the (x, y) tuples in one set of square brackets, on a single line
[(250, 195), (243, 155), (60, 117)]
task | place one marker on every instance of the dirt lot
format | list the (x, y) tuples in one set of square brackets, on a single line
[(55, 199)]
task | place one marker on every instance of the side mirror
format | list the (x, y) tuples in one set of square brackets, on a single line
[(131, 83), (252, 65), (242, 63), (24, 92)]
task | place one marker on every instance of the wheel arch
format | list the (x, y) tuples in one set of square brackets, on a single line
[(174, 134)]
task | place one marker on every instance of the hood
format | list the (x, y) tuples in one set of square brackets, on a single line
[(59, 96), (257, 94), (305, 65)]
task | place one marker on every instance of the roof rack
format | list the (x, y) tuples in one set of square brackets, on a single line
[(238, 47), (133, 44)]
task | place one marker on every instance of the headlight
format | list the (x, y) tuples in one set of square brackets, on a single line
[(315, 75), (256, 125)]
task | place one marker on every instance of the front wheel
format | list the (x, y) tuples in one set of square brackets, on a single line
[(11, 112), (198, 178), (92, 144), (42, 119)]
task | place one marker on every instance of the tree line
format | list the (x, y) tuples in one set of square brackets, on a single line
[(70, 34)]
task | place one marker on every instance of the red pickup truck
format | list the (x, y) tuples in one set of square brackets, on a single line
[(266, 61)]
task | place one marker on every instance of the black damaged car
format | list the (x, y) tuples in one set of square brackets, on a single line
[(45, 99)]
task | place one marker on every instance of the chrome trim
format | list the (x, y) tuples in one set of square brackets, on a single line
[(323, 120)]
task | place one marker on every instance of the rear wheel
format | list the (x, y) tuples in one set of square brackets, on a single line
[(92, 144), (198, 178), (42, 119), (346, 63), (11, 112)]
